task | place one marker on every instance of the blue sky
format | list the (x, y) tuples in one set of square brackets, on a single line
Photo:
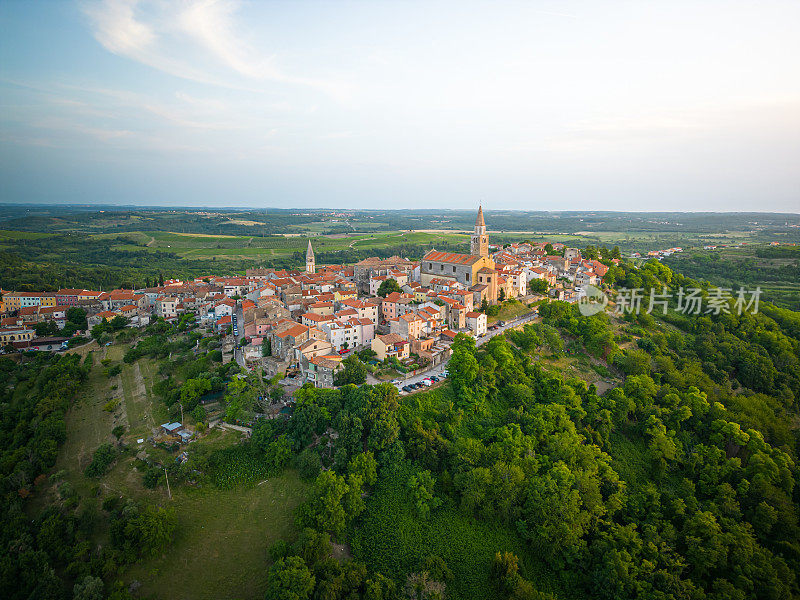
[(534, 105)]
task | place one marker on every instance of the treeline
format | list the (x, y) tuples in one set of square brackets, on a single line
[(737, 270), (48, 264), (116, 220)]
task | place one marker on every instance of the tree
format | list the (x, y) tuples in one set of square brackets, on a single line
[(45, 328), (77, 316), (421, 488), (118, 322), (548, 249), (290, 579), (308, 464), (538, 286), (354, 372), (89, 588), (118, 431), (387, 287), (502, 295), (615, 253), (635, 362), (365, 466), (324, 510)]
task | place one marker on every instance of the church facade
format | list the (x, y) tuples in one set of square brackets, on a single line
[(474, 271)]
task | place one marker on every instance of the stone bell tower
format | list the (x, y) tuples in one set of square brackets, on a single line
[(479, 244), (310, 261)]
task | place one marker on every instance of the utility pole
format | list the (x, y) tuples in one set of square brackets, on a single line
[(167, 476)]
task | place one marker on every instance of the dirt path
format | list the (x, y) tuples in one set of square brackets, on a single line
[(140, 395)]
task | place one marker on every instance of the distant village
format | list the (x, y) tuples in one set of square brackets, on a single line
[(308, 321)]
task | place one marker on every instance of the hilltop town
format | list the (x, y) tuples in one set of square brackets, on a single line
[(404, 313)]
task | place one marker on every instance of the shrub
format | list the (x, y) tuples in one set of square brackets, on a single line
[(103, 457)]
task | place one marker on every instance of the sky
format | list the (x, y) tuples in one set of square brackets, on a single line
[(651, 106)]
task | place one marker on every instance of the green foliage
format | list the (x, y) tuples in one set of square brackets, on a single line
[(308, 464), (102, 459), (538, 286), (387, 287), (354, 372), (290, 579), (420, 487)]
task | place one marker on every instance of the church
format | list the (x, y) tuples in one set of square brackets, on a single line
[(474, 271)]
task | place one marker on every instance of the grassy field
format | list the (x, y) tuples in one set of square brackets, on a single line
[(10, 235), (223, 537)]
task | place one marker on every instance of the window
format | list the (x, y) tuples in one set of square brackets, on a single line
[(454, 268), (441, 267), (466, 276)]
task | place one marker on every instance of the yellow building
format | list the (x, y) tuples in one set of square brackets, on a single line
[(17, 300), (391, 344), (15, 335)]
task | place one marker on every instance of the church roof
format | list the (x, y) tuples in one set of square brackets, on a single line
[(310, 251), (451, 258), (479, 222)]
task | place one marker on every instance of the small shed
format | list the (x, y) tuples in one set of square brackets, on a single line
[(171, 428)]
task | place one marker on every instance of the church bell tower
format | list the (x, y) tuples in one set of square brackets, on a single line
[(310, 261), (479, 244)]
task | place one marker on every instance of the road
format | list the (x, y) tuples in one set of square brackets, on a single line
[(238, 325)]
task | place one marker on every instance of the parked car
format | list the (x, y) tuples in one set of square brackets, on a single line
[(397, 381), (427, 382)]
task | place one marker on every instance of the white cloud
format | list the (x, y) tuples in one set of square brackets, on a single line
[(198, 40)]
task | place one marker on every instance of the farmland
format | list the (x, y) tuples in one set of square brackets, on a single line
[(230, 247)]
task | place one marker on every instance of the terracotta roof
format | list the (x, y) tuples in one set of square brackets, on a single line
[(293, 331), (451, 258), (391, 338)]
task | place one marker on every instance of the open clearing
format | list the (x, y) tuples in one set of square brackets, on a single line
[(220, 550)]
